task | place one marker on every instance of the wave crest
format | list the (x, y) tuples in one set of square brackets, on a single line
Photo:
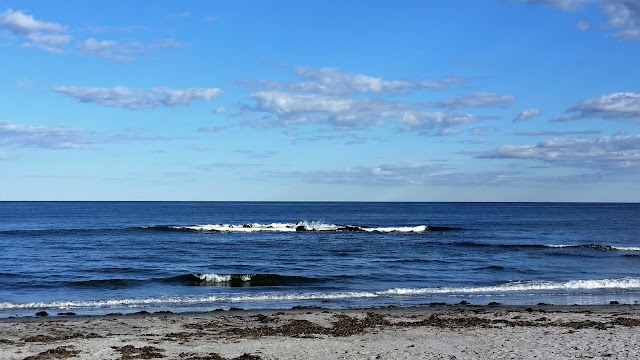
[(242, 280), (299, 226), (511, 287)]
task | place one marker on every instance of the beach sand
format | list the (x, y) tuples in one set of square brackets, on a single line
[(430, 332)]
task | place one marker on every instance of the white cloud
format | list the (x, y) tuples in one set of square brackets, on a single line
[(60, 137), (558, 133), (341, 100), (614, 106), (117, 52), (287, 109), (481, 99), (47, 36), (624, 15), (332, 81), (415, 121), (21, 23), (609, 153), (137, 99), (63, 137), (285, 103), (220, 110), (526, 115)]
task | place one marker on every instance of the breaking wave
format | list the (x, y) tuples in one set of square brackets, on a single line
[(242, 280), (299, 226), (212, 279), (599, 247), (510, 287)]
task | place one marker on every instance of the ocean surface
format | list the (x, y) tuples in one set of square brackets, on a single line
[(106, 257)]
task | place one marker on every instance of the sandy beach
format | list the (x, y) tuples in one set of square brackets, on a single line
[(430, 332)]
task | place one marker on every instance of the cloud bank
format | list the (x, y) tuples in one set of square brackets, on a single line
[(138, 99), (122, 52), (47, 36), (615, 106), (60, 137), (608, 153), (344, 100), (53, 38)]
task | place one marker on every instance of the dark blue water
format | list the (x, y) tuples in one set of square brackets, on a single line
[(101, 257)]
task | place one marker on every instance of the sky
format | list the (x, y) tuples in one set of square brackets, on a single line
[(457, 100)]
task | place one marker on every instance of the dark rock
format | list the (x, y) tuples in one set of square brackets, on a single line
[(602, 247), (66, 313), (60, 352), (613, 302), (233, 308), (494, 303), (349, 228), (42, 313), (301, 228), (626, 322), (145, 352), (214, 356), (463, 302), (142, 312), (60, 337)]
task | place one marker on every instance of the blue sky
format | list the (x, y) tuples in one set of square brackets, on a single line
[(476, 100)]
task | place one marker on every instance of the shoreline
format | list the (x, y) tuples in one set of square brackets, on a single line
[(439, 331)]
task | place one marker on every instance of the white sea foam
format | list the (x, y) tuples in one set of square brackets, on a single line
[(420, 228), (302, 225), (623, 248), (222, 278), (512, 287), (213, 278), (519, 286), (596, 246), (279, 227)]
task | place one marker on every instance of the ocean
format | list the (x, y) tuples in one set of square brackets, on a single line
[(106, 257)]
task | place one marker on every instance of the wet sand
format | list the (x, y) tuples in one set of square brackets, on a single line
[(430, 332)]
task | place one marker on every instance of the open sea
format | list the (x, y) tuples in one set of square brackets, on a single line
[(106, 257)]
